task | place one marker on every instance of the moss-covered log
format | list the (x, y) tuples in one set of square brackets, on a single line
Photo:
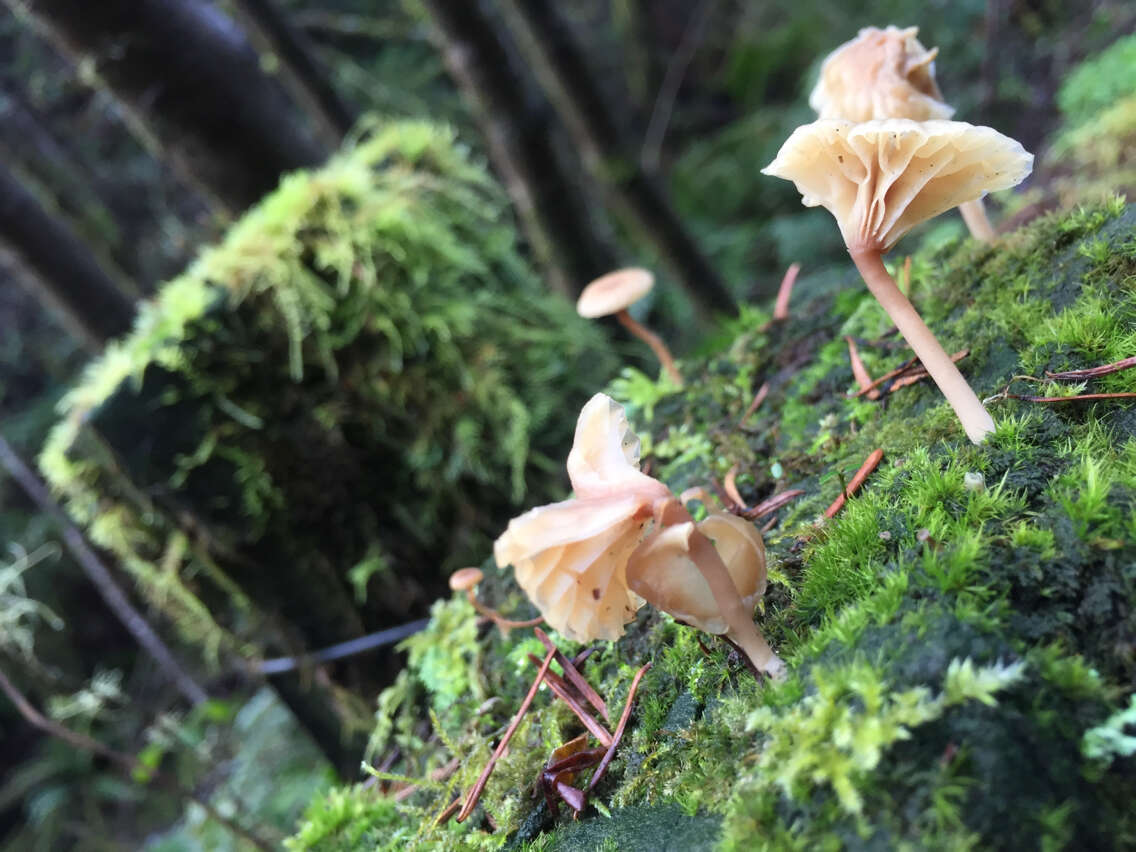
[(331, 410), (961, 637)]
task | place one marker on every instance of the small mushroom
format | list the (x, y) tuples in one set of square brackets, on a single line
[(709, 575), (883, 74), (571, 557), (613, 294), (879, 179), (466, 580)]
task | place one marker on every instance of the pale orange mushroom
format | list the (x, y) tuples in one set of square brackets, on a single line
[(879, 179), (884, 74), (612, 295)]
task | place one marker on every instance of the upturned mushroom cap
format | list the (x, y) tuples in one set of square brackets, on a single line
[(571, 557), (882, 178), (662, 572), (465, 579), (612, 293), (880, 74)]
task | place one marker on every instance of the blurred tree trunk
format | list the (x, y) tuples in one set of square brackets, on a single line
[(192, 83), (52, 168), (307, 81), (516, 123), (638, 199), (67, 276)]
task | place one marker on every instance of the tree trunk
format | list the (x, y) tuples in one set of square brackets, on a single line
[(515, 121), (192, 82), (68, 276), (306, 79), (641, 201)]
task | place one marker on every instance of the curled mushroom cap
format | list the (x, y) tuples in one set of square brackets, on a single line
[(571, 557), (614, 292), (663, 572), (880, 74), (882, 178)]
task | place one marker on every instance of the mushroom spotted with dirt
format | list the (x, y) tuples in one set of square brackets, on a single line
[(664, 570), (571, 558), (879, 179), (612, 295), (884, 74)]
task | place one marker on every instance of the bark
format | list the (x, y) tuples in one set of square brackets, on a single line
[(638, 199), (516, 123), (299, 70), (191, 83), (68, 276)]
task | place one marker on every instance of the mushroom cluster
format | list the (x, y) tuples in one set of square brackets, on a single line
[(880, 177), (884, 74), (588, 563)]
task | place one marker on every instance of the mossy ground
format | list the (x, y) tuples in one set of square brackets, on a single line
[(949, 646)]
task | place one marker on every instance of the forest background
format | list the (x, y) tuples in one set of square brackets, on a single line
[(135, 133)]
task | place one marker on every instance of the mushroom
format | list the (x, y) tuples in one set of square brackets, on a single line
[(881, 178), (570, 557), (888, 73), (709, 575), (880, 74), (466, 580), (612, 294)]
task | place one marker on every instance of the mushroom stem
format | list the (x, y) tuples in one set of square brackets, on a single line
[(655, 342), (743, 632), (977, 222), (506, 624), (975, 419)]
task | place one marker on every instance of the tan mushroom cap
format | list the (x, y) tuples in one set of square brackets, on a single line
[(662, 572), (882, 178), (571, 557), (614, 292), (880, 74), (465, 578)]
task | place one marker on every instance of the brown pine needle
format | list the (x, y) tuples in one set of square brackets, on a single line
[(906, 367), (573, 675), (479, 785), (450, 810), (758, 399), (1093, 372), (771, 504), (618, 735), (730, 486), (869, 465), (1084, 397), (785, 292), (859, 371), (560, 688)]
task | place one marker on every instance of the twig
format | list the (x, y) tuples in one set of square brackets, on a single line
[(440, 774), (100, 576), (758, 399), (1093, 372), (672, 82), (560, 687), (907, 276), (859, 371), (483, 779), (1085, 397), (772, 504), (278, 665), (618, 735), (126, 762), (870, 464), (785, 292), (574, 676)]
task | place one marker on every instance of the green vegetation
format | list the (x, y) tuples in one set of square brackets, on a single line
[(364, 375), (959, 645)]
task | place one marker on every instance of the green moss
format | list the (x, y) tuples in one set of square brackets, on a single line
[(363, 378), (953, 634)]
